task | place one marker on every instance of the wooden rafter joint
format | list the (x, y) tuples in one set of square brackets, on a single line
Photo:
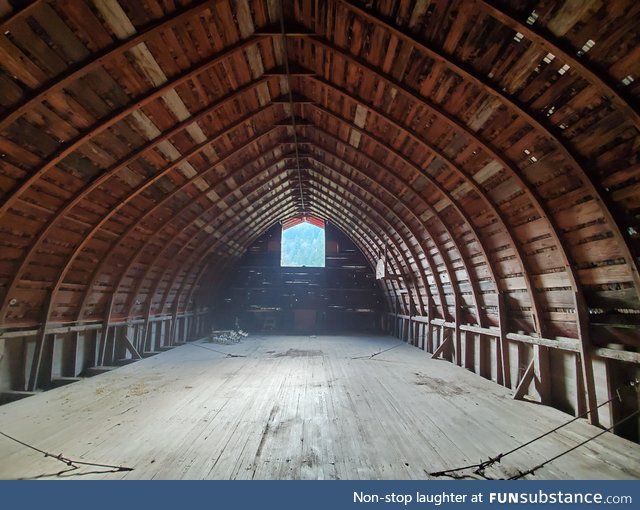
[(446, 343), (525, 381), (291, 29), (294, 70), (297, 99)]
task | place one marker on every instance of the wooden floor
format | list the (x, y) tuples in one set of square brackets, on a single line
[(295, 407)]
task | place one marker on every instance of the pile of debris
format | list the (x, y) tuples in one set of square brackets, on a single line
[(226, 337)]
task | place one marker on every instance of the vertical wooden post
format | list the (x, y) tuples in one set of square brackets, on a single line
[(542, 372), (503, 343), (410, 322), (185, 327), (451, 336), (587, 362), (36, 361), (482, 356), (104, 333), (581, 403), (147, 327), (428, 340), (172, 331), (457, 346), (468, 350), (117, 331), (396, 319), (498, 361)]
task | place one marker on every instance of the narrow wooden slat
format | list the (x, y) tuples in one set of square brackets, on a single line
[(525, 381)]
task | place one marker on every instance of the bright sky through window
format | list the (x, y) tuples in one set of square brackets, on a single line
[(302, 245)]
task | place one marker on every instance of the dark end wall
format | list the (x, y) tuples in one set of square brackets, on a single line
[(264, 297)]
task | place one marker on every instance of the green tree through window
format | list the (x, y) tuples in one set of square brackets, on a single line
[(302, 245)]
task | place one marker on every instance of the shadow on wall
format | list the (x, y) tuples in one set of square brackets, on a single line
[(263, 296)]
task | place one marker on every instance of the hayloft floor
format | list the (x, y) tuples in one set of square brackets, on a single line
[(295, 407)]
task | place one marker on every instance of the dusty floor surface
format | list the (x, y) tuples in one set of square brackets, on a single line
[(295, 407)]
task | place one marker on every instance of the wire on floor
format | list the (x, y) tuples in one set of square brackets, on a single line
[(376, 353), (532, 471), (481, 466), (72, 463)]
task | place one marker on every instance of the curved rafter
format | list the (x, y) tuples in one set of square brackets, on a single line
[(446, 117), (105, 124), (267, 220), (43, 93), (430, 207), (376, 223), (468, 74), (199, 218), (202, 194), (117, 205), (541, 126), (397, 248), (134, 293), (140, 189), (450, 272), (547, 42), (191, 181), (237, 219), (389, 211)]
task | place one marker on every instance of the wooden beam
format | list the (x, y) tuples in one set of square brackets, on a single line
[(421, 174), (551, 132), (444, 158), (535, 200), (134, 225), (130, 347), (199, 218), (352, 229), (366, 244), (36, 360), (446, 342), (587, 361), (626, 356), (503, 344), (523, 385), (152, 210), (104, 332), (383, 145), (244, 240), (246, 184), (248, 232), (388, 208), (547, 41), (19, 14), (406, 278), (98, 59), (120, 115), (542, 371), (178, 258), (103, 177), (56, 328), (373, 224), (268, 216), (41, 338)]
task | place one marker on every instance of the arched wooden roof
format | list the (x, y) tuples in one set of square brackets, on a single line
[(490, 149)]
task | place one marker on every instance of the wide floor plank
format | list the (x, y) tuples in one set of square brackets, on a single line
[(296, 407)]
